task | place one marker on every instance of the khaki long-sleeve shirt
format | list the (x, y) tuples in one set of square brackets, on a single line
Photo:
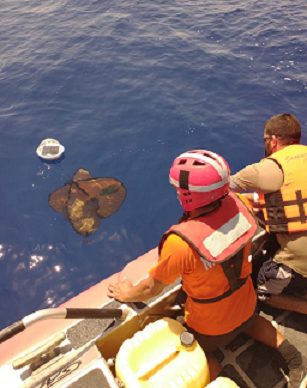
[(267, 177)]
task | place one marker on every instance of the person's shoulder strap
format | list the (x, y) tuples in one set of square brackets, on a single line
[(234, 273)]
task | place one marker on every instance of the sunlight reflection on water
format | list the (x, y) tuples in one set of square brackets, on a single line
[(127, 87)]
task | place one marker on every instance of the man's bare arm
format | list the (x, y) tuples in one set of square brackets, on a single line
[(125, 291)]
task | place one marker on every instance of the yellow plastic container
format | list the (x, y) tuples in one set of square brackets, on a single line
[(222, 382), (156, 358)]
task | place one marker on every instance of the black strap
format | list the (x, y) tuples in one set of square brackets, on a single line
[(275, 207), (300, 202), (286, 203), (240, 283), (232, 269), (184, 179), (286, 221), (230, 275), (238, 259), (273, 200)]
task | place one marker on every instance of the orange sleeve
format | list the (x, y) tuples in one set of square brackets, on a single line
[(175, 259)]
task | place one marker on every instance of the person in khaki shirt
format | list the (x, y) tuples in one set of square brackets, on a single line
[(286, 272)]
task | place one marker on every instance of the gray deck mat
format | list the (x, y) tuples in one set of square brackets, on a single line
[(94, 379), (249, 363), (254, 365), (88, 329)]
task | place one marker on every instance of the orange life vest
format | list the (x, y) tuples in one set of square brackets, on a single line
[(285, 210), (219, 238)]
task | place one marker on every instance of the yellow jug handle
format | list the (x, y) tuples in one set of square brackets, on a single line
[(151, 366)]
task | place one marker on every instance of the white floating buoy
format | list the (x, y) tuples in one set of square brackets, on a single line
[(50, 149)]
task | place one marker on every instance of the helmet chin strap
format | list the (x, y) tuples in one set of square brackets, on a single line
[(201, 211)]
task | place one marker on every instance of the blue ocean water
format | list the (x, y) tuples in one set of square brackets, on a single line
[(127, 86)]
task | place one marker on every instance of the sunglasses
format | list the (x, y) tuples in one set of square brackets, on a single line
[(265, 138), (271, 137)]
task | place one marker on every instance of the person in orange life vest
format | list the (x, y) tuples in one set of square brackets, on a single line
[(280, 184), (209, 250)]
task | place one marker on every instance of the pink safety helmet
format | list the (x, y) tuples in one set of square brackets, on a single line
[(200, 177)]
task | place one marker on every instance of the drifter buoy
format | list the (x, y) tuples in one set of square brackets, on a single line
[(50, 149)]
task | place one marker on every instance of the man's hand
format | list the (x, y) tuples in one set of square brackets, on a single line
[(126, 292), (120, 291), (249, 196)]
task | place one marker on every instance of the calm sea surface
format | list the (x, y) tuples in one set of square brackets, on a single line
[(126, 86)]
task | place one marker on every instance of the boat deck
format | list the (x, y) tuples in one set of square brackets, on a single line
[(254, 365), (249, 363)]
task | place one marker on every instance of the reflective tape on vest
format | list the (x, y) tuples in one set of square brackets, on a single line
[(227, 234)]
